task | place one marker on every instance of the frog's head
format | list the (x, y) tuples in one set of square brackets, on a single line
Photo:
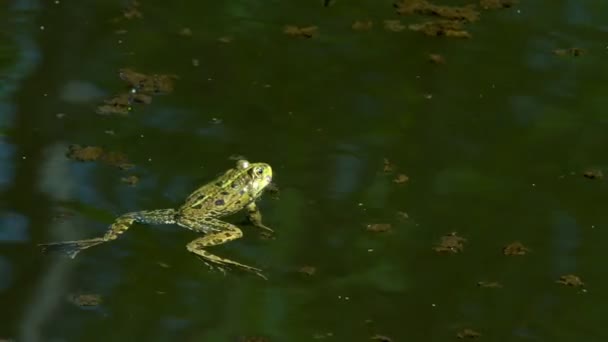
[(260, 174)]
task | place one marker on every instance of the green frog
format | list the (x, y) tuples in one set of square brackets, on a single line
[(235, 190)]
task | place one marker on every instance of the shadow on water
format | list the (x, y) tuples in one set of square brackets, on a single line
[(439, 169)]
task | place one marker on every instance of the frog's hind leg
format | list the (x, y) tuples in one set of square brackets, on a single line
[(120, 225), (70, 248), (227, 233)]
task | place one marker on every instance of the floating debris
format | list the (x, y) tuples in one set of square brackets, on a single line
[(574, 52), (388, 166), (131, 180), (85, 299), (593, 174), (186, 32), (401, 178), (468, 333), (94, 153), (225, 39), (422, 7), (515, 248), (321, 336), (403, 215), (436, 58), (302, 32), (308, 270), (489, 284), (379, 227), (570, 280), (362, 25), (132, 11), (88, 153), (142, 87), (122, 104), (451, 243), (497, 4), (148, 84), (120, 31), (381, 338), (442, 28), (393, 25)]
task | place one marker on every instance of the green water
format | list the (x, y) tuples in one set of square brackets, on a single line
[(494, 143)]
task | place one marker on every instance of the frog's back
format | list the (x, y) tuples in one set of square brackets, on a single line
[(224, 195)]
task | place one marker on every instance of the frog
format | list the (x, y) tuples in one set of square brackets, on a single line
[(237, 189)]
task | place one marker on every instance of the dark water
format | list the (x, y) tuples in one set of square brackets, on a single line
[(494, 143)]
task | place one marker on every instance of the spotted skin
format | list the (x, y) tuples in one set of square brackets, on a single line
[(222, 234), (235, 190)]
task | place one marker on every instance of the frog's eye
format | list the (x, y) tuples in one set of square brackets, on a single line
[(259, 170)]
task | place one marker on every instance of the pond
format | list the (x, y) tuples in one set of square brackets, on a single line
[(437, 168)]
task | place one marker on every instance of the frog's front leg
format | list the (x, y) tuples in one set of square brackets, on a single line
[(219, 232), (255, 217), (120, 225)]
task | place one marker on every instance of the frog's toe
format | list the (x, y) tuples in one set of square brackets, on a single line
[(253, 270)]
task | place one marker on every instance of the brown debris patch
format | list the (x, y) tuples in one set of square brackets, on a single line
[(148, 84), (85, 299), (301, 32), (88, 153), (362, 25), (388, 166), (132, 11), (465, 13), (570, 280), (573, 52), (497, 4), (379, 227), (225, 39), (308, 270), (468, 333), (393, 25), (442, 28), (515, 248), (436, 58), (122, 104), (94, 153), (451, 243), (131, 180), (593, 174), (142, 87), (401, 178), (489, 284), (403, 215)]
